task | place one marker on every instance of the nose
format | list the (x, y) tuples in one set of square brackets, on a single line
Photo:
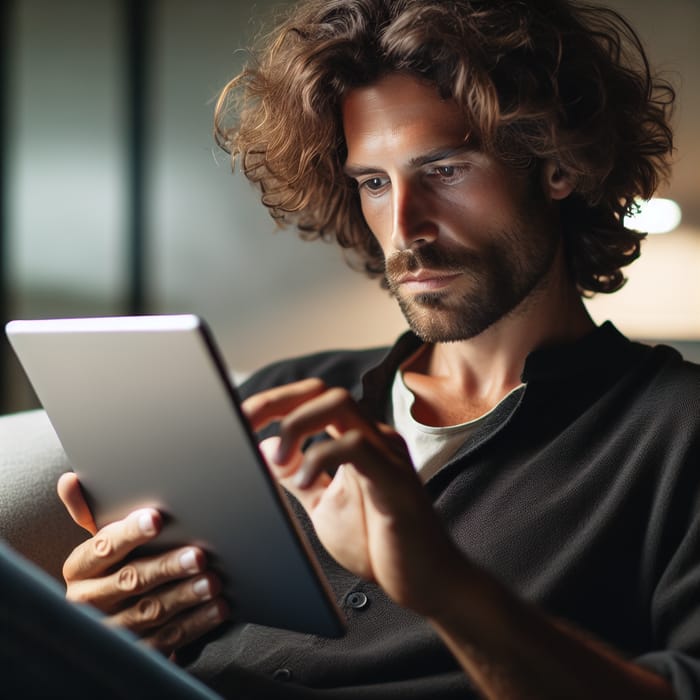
[(413, 222)]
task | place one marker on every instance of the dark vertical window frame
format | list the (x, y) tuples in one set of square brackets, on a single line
[(6, 21), (137, 24)]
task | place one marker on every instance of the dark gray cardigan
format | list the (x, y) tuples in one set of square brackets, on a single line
[(581, 493)]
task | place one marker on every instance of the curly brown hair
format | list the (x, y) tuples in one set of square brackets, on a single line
[(543, 79)]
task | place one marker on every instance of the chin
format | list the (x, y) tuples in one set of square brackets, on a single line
[(433, 326)]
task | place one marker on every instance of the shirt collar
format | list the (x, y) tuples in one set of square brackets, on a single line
[(553, 362), (603, 348)]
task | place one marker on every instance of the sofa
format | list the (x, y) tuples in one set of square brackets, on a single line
[(33, 520), (48, 648)]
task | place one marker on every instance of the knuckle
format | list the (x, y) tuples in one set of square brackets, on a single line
[(102, 546), (169, 637), (148, 610), (128, 579)]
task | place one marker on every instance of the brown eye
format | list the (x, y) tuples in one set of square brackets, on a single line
[(374, 183), (448, 174), (446, 170)]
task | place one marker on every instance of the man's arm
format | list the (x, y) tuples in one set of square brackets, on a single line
[(512, 650), (509, 648)]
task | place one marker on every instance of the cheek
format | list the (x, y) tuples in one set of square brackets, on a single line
[(484, 207), (377, 216)]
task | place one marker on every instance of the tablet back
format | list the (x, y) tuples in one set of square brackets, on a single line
[(147, 416)]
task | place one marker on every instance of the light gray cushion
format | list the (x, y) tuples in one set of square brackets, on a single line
[(32, 518)]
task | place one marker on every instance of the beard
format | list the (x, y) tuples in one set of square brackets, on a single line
[(493, 281)]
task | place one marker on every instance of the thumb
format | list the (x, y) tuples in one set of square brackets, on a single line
[(71, 495), (284, 473), (281, 472)]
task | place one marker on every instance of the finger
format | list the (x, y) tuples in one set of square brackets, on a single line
[(71, 495), (112, 544), (286, 475), (334, 411), (137, 577), (272, 404), (377, 462), (163, 604), (281, 472), (189, 626)]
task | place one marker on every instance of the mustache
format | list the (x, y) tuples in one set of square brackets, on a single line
[(431, 257)]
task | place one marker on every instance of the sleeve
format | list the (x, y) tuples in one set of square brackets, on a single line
[(675, 606)]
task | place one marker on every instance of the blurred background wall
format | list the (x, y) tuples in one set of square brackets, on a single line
[(115, 199)]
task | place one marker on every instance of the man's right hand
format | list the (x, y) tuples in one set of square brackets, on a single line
[(168, 599)]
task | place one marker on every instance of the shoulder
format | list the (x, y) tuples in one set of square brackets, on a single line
[(667, 395), (335, 367), (670, 375)]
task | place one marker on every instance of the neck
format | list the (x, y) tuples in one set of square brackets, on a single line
[(455, 382)]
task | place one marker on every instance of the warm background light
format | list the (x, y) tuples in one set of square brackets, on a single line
[(661, 299), (657, 215)]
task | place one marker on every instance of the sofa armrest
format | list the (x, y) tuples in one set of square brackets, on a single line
[(33, 520)]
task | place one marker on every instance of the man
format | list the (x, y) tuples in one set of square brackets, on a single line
[(510, 495)]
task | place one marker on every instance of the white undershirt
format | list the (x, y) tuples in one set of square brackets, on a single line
[(430, 447)]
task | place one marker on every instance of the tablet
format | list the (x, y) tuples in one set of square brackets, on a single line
[(148, 417)]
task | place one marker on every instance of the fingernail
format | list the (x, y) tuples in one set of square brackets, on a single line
[(280, 453), (202, 588), (188, 561), (213, 613), (302, 479), (147, 524)]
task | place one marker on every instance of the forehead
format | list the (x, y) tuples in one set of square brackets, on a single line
[(399, 112)]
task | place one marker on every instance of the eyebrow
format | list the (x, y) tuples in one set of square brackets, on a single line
[(415, 162), (439, 154)]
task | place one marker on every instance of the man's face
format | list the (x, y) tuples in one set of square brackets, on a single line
[(465, 239)]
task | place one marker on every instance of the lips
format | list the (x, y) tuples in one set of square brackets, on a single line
[(423, 280)]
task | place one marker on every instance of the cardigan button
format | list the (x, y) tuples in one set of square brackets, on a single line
[(282, 675), (357, 600)]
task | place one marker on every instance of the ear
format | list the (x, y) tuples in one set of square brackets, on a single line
[(557, 182)]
